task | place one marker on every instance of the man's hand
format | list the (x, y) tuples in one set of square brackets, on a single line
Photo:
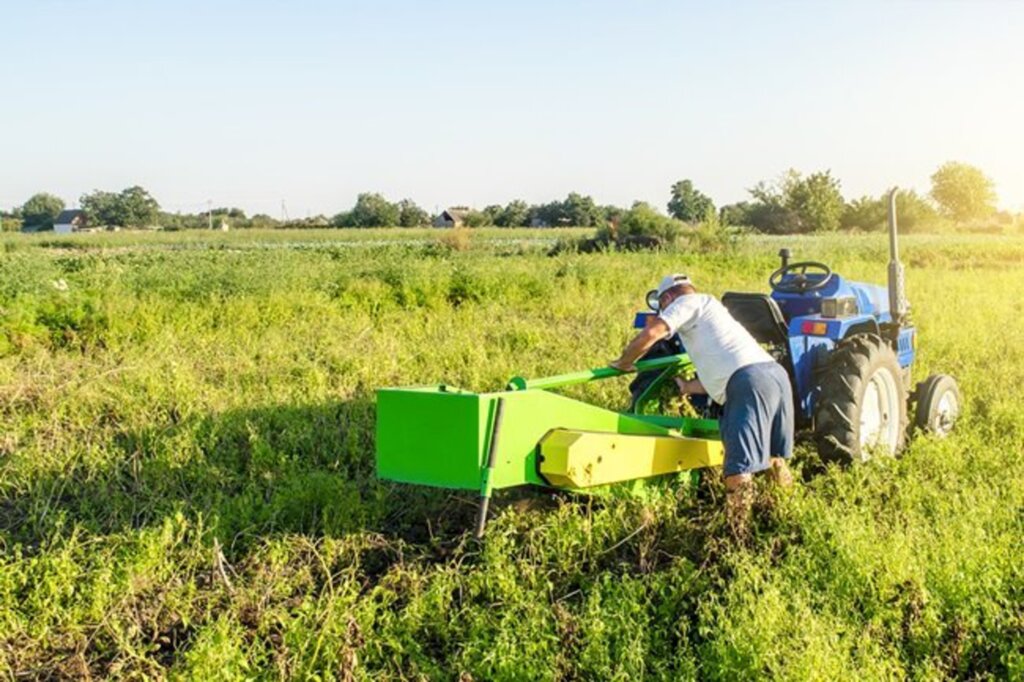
[(622, 366), (640, 344)]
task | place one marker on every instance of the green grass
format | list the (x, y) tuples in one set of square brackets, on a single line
[(187, 489)]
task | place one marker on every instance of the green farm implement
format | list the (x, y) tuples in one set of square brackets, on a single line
[(848, 348), (446, 437)]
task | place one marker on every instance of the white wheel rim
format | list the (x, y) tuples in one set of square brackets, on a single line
[(946, 413), (879, 414)]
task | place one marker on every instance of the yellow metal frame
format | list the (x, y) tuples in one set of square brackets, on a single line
[(581, 459)]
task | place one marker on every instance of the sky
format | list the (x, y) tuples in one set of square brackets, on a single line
[(256, 103)]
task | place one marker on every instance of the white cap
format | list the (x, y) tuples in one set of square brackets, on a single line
[(669, 281)]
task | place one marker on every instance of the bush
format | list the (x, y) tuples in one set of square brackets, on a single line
[(642, 220), (454, 239)]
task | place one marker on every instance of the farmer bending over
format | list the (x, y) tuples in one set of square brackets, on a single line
[(753, 390)]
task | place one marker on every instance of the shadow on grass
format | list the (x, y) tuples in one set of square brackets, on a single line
[(283, 469), (279, 470)]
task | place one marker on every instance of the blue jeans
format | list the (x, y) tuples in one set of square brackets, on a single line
[(757, 418)]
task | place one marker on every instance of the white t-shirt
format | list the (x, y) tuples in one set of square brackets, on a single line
[(718, 345)]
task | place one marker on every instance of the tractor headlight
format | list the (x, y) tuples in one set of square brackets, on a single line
[(840, 306)]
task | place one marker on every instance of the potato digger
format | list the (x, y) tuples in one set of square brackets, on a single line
[(848, 348)]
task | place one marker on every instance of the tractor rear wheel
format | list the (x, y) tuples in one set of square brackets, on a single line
[(861, 407)]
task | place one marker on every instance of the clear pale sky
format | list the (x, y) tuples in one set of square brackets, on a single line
[(249, 103)]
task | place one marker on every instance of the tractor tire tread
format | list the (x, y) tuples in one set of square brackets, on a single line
[(836, 415)]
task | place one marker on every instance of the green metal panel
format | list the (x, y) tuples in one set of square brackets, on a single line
[(438, 436), (530, 414), (432, 435)]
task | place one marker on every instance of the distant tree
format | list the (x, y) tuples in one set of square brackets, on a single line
[(865, 214), (476, 218), (795, 203), (817, 202), (41, 210), (870, 214), (515, 214), (551, 214), (101, 207), (688, 203), (963, 192), (612, 214), (493, 213), (233, 213), (735, 214), (371, 210), (136, 208), (132, 207), (262, 221), (411, 215), (580, 211), (642, 220)]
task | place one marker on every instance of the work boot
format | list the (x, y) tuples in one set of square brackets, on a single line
[(739, 503), (779, 473)]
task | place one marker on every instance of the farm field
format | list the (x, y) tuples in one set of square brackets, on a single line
[(187, 486)]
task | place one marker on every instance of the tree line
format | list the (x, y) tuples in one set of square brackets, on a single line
[(791, 203)]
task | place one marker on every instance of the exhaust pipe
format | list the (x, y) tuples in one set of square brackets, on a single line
[(898, 305)]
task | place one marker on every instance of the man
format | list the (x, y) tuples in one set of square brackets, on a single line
[(753, 390)]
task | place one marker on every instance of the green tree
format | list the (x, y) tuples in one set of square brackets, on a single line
[(371, 210), (132, 207), (817, 202), (515, 214), (41, 210), (411, 215), (101, 207), (476, 218), (688, 203), (642, 220), (580, 210), (870, 214), (795, 203), (136, 208), (963, 192)]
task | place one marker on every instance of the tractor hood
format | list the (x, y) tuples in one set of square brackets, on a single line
[(870, 299)]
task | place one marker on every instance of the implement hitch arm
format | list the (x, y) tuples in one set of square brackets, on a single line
[(520, 384)]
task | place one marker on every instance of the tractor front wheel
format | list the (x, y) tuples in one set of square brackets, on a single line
[(861, 406), (938, 405)]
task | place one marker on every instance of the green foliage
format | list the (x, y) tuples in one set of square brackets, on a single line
[(371, 210), (688, 203), (643, 220), (41, 210), (793, 204), (913, 213), (714, 235), (515, 214), (963, 192), (411, 215), (132, 207), (576, 210), (187, 485), (475, 218)]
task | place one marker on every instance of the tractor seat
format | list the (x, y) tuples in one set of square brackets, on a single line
[(760, 315)]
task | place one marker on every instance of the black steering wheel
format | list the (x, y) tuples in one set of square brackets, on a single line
[(799, 281)]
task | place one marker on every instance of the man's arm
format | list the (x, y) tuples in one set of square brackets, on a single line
[(640, 344)]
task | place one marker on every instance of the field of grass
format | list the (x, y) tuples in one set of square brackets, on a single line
[(187, 488)]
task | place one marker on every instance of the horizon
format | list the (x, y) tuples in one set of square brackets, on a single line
[(251, 104)]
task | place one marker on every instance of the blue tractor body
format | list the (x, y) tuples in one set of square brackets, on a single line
[(848, 348), (818, 320)]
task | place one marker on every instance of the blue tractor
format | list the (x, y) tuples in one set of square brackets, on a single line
[(848, 348)]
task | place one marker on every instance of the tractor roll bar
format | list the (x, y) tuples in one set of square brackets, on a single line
[(520, 384)]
